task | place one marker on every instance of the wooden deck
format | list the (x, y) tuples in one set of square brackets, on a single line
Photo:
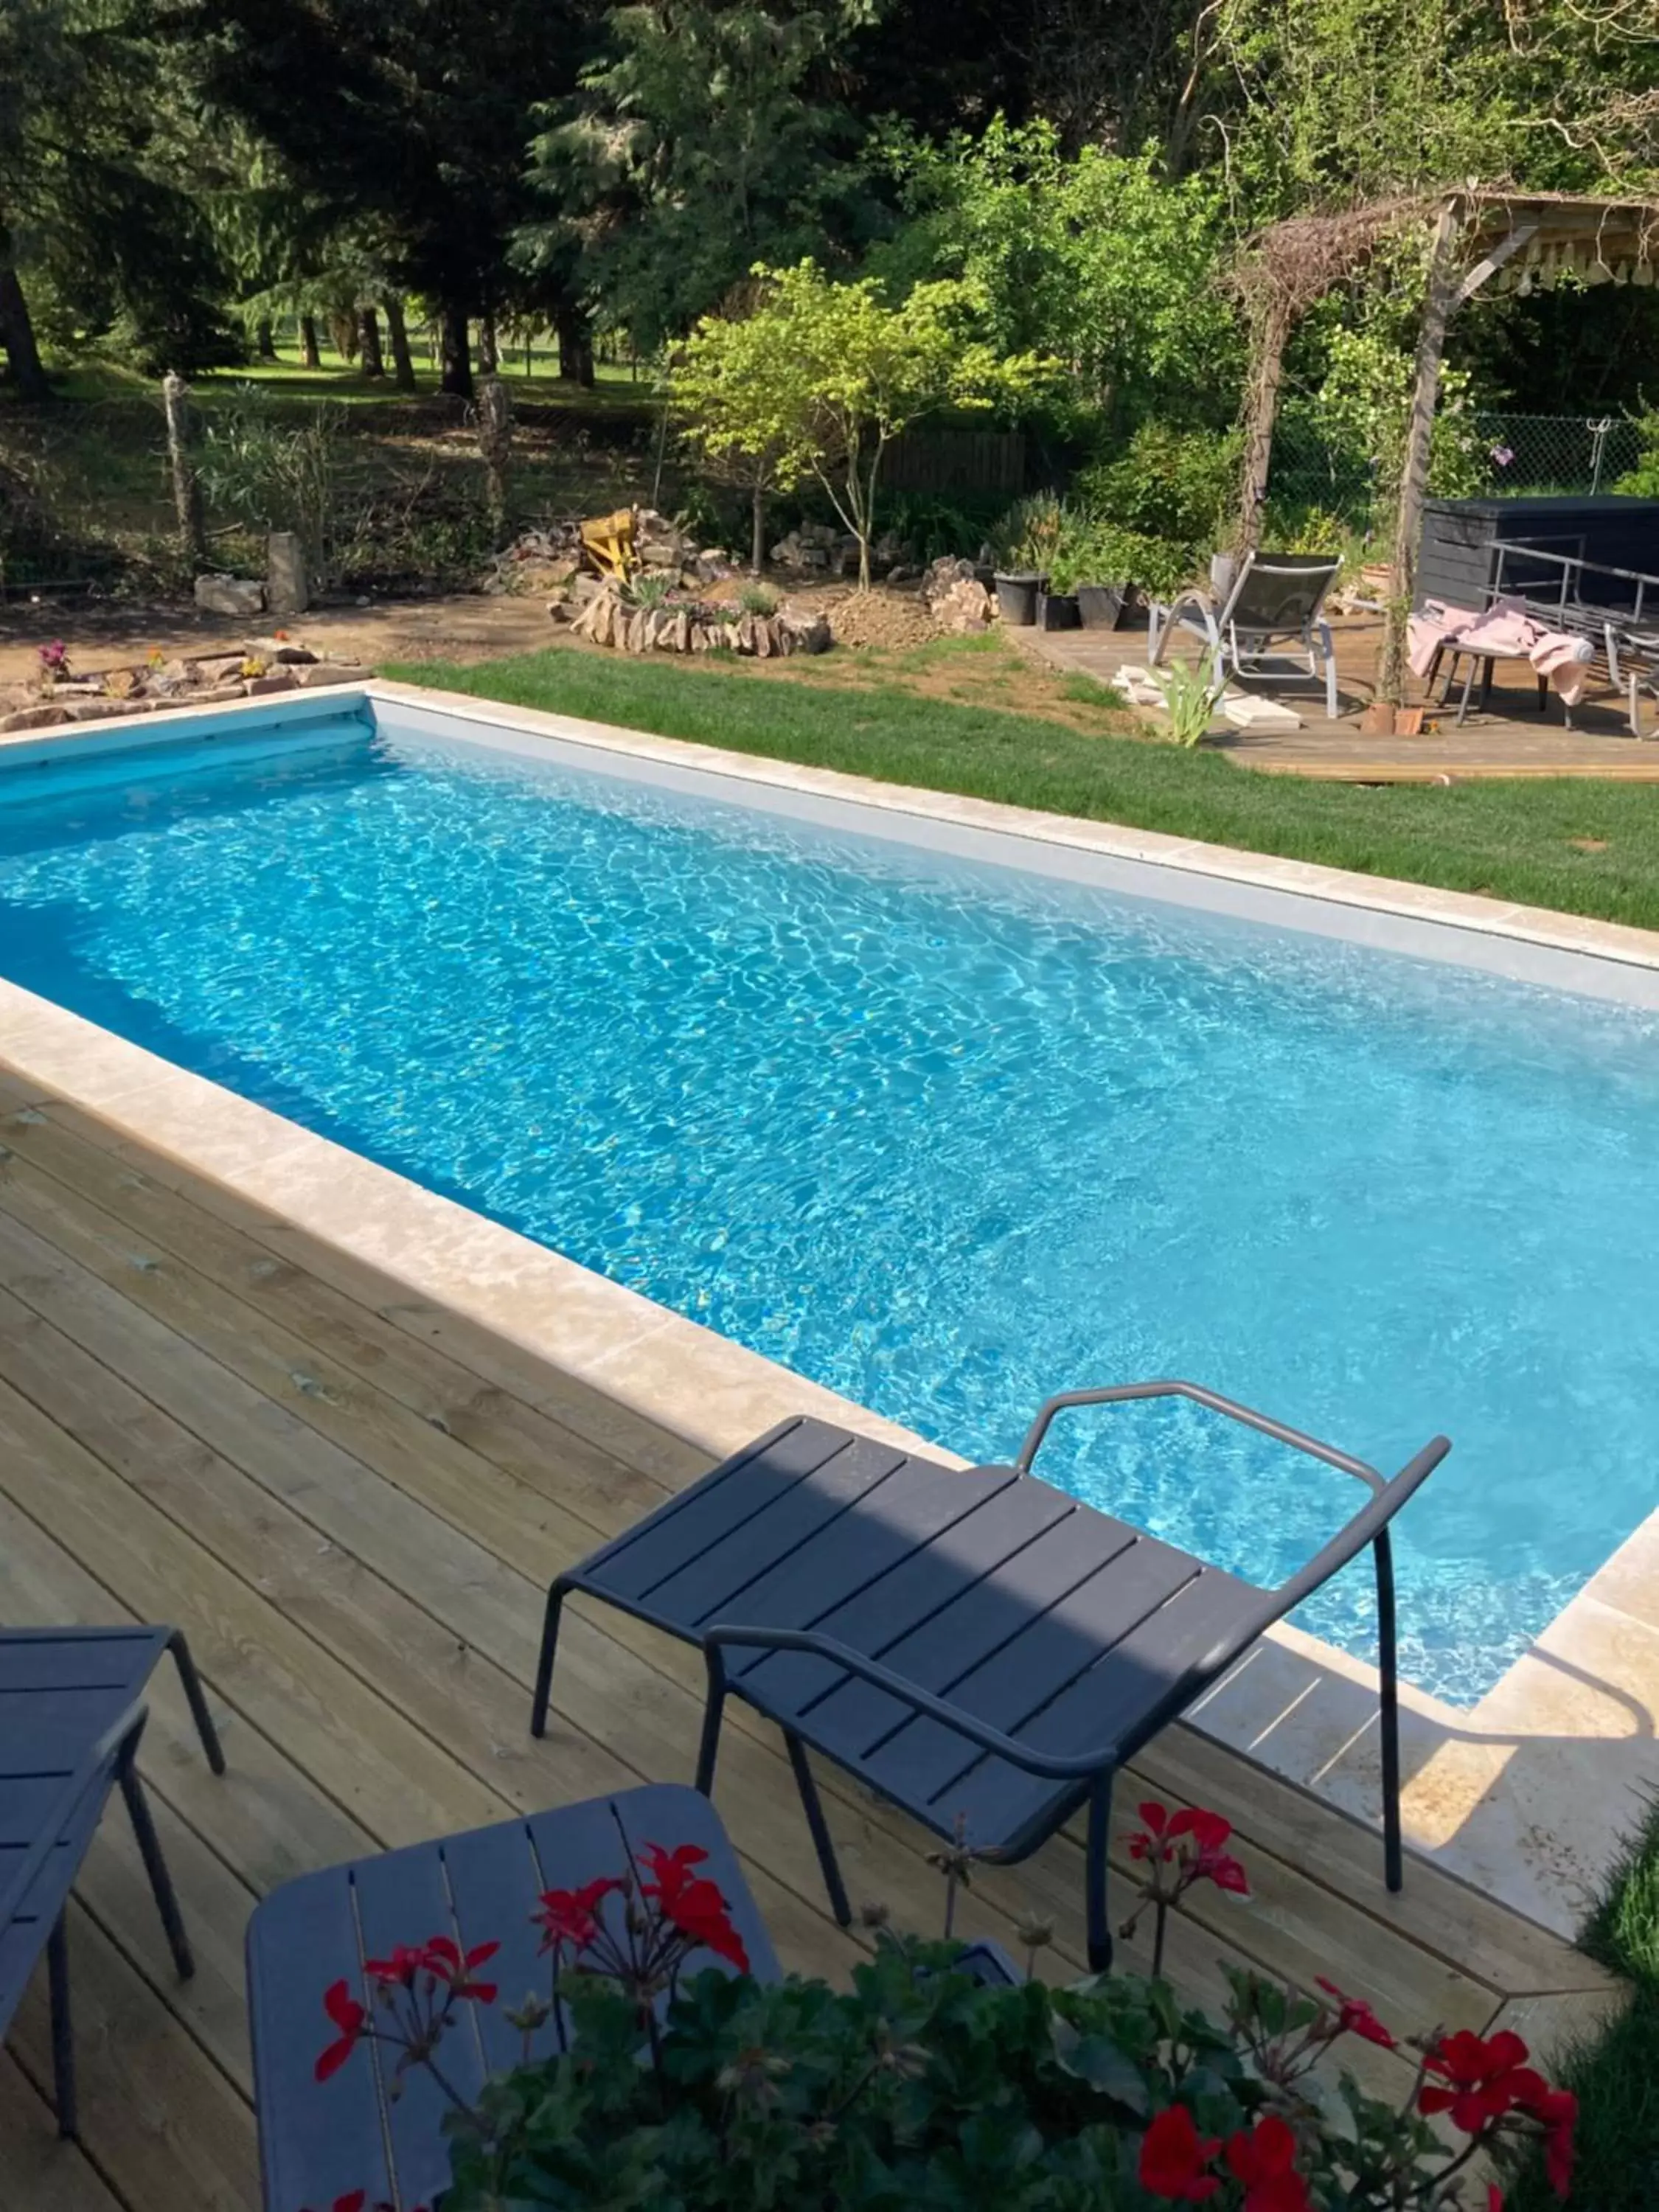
[(1513, 740), (351, 1501)]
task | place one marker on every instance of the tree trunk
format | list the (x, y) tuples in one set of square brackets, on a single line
[(17, 333), (396, 330), (265, 339), (373, 360), (575, 347), (311, 353), (757, 525), (1261, 411), (187, 492), (343, 330), (489, 351), (494, 445), (457, 370), (1414, 476)]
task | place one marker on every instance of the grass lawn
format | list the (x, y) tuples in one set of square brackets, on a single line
[(1585, 847), (1616, 2077)]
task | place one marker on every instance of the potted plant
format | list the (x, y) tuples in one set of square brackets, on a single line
[(1023, 545), (1094, 567), (647, 2082)]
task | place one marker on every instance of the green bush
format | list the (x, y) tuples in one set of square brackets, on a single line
[(1093, 552), (1643, 481), (1030, 533), (1181, 485)]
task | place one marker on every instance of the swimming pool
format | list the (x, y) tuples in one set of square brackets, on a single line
[(941, 1134)]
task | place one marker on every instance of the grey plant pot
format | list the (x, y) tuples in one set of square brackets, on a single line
[(1101, 605), (1058, 611), (1017, 596)]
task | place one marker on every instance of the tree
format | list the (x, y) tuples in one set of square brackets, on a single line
[(1098, 260), (412, 119), (96, 209), (705, 137), (819, 378)]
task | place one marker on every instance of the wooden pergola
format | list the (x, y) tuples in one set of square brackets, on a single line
[(1481, 238)]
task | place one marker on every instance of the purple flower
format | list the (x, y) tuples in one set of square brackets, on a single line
[(1503, 455)]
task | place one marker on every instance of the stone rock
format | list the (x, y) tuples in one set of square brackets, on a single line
[(287, 588), (809, 628), (965, 608), (218, 667), (281, 679), (285, 652), (107, 710), (231, 688), (942, 575), (321, 673), (33, 718), (229, 595)]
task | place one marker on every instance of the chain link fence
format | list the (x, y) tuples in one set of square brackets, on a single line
[(1513, 455)]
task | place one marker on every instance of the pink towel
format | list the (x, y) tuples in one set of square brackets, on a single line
[(1506, 632)]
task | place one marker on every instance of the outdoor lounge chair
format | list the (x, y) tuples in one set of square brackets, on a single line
[(70, 1718), (974, 1644), (1275, 601)]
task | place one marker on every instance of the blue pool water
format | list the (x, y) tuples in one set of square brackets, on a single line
[(942, 1136)]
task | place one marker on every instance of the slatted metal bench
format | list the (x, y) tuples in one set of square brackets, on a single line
[(977, 1646), (320, 2142), (71, 1716)]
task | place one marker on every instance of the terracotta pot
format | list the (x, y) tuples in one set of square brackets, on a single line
[(1378, 720), (1409, 721)]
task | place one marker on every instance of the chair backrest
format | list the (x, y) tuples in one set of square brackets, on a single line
[(1280, 591)]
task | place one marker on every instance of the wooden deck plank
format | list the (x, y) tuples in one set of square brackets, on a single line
[(158, 2118), (37, 2168), (491, 1604), (351, 1500)]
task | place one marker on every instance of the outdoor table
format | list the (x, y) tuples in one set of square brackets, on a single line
[(321, 2141)]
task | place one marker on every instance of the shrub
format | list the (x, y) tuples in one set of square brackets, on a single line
[(710, 2092), (1030, 534), (757, 600), (1093, 552), (1169, 483)]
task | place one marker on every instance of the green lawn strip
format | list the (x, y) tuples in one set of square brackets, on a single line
[(1615, 2075), (1513, 840)]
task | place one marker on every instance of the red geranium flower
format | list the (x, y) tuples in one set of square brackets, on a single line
[(398, 1971), (1494, 2198), (1355, 2017), (572, 1916), (1173, 2154), (349, 2016), (1485, 2078), (1265, 2161), (443, 1957), (1150, 1841), (691, 1902)]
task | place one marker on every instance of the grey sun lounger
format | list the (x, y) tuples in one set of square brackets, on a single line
[(1275, 600), (974, 1645), (71, 1715)]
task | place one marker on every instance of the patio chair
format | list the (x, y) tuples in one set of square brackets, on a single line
[(366, 2131), (976, 1646), (71, 1716), (1275, 600)]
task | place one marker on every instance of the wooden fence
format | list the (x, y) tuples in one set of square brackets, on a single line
[(956, 461)]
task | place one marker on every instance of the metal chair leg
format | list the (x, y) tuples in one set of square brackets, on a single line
[(1388, 1713), (544, 1663), (1100, 1927), (156, 1866), (713, 1711), (63, 2032), (196, 1702), (819, 1827)]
